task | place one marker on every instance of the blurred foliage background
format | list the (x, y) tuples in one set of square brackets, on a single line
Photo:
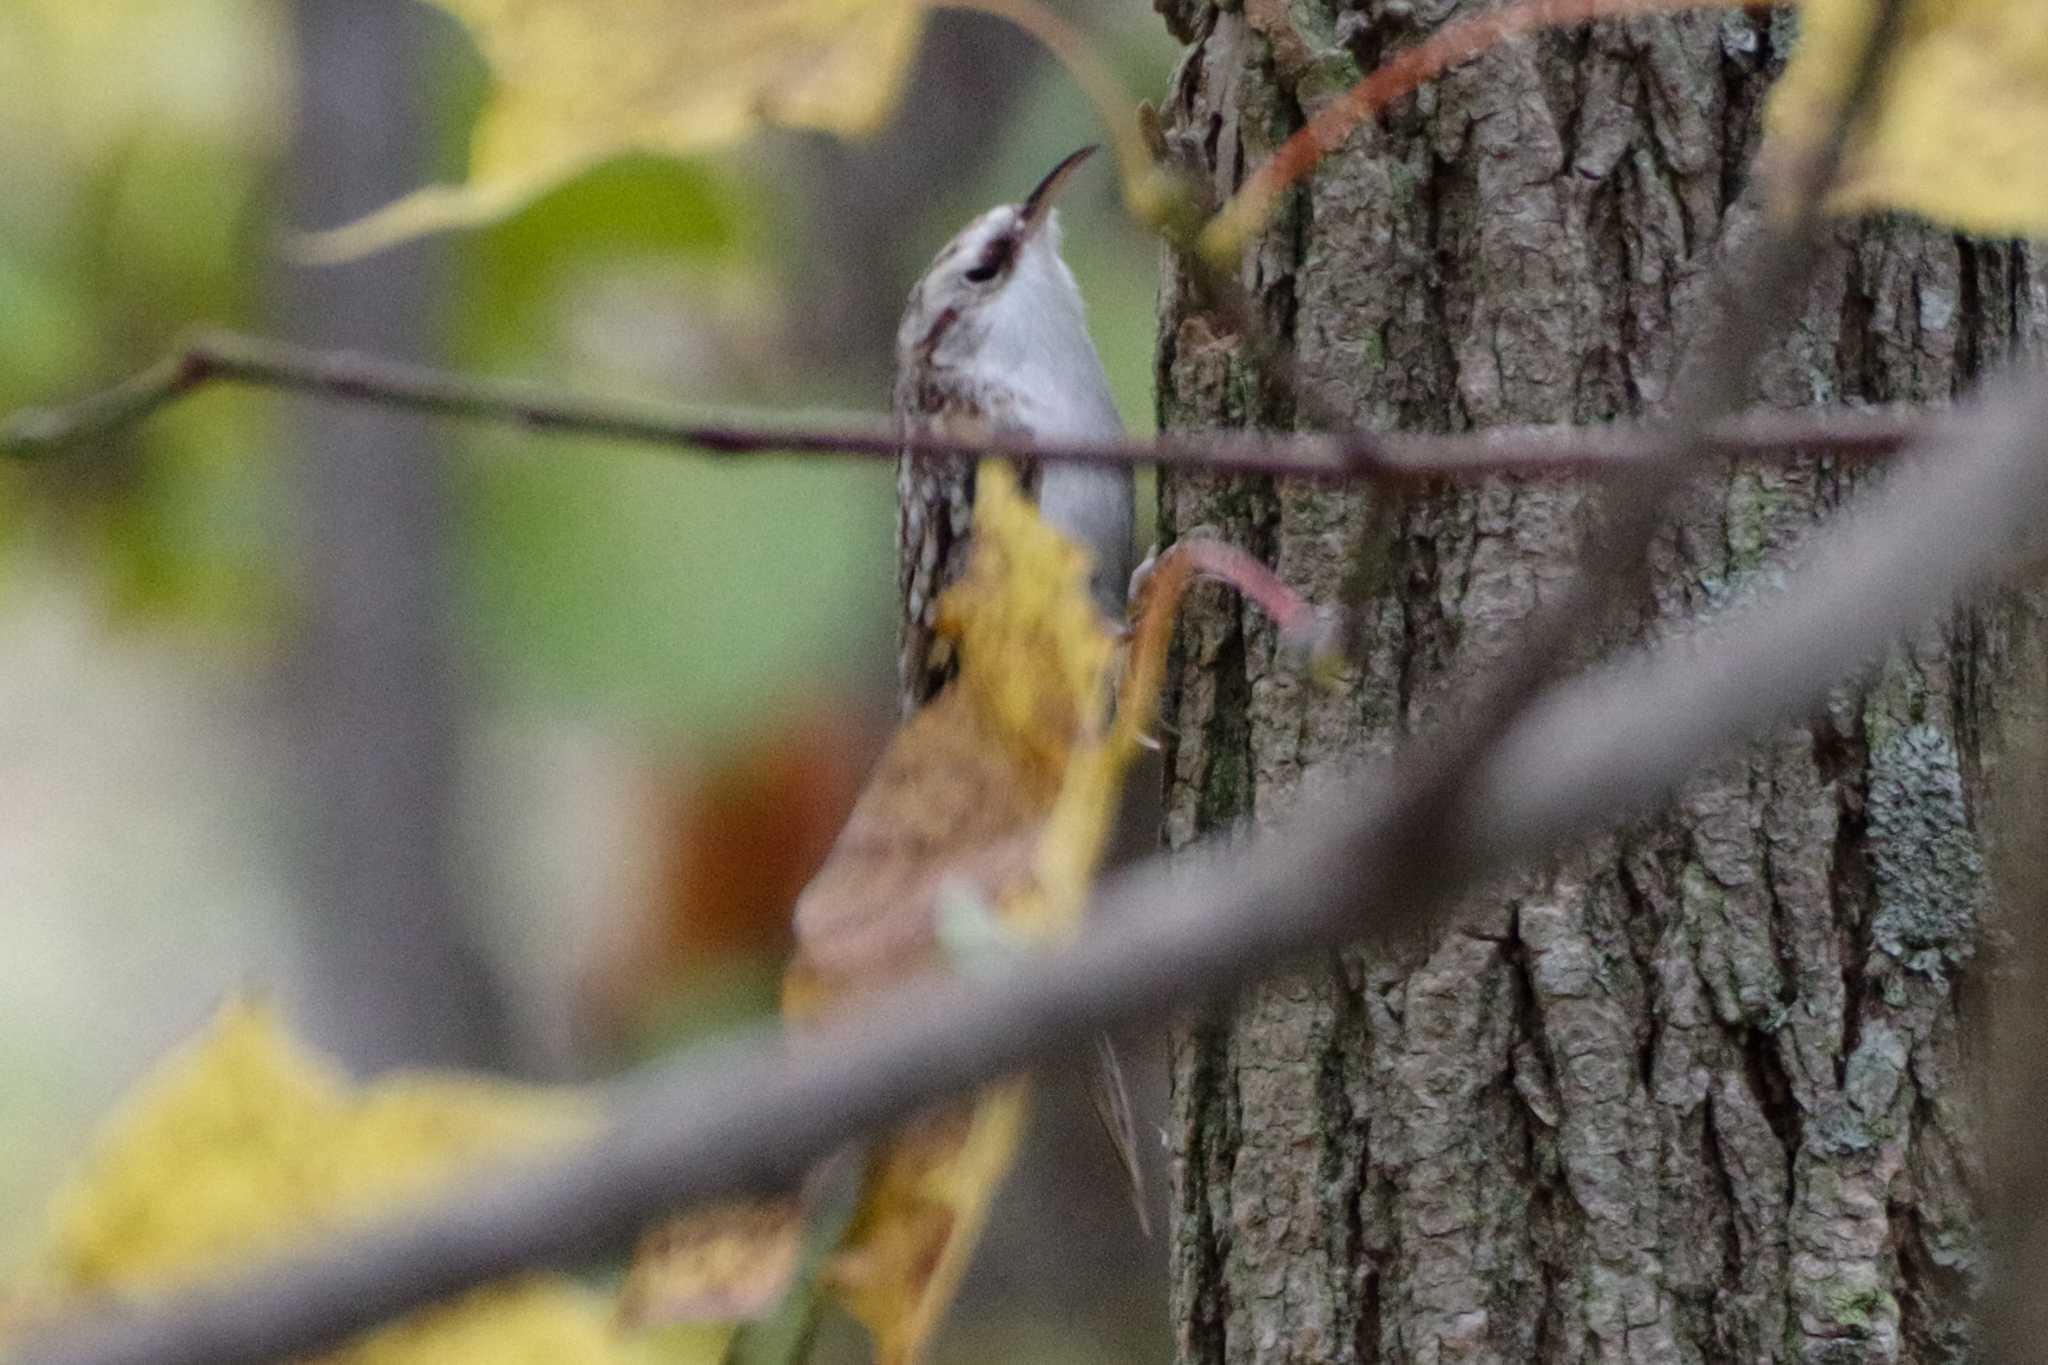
[(670, 672)]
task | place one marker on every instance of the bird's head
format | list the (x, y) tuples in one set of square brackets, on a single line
[(998, 296)]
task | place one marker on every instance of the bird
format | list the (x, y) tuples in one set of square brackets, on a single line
[(994, 342)]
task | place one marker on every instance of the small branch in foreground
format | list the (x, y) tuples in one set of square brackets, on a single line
[(1586, 752), (1361, 456)]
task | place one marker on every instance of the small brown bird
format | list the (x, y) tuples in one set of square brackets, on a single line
[(994, 340)]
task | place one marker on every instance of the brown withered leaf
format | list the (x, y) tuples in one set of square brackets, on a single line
[(942, 803), (730, 1260)]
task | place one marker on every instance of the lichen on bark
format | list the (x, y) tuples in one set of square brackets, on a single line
[(1693, 1092)]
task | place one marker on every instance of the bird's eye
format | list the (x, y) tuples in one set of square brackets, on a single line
[(993, 260)]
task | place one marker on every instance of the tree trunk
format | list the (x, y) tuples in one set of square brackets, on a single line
[(392, 971), (1693, 1092)]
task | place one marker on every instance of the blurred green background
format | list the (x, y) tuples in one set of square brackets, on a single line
[(624, 624)]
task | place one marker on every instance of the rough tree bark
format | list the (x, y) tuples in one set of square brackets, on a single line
[(1695, 1092)]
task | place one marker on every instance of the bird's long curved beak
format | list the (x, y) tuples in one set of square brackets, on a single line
[(1038, 204)]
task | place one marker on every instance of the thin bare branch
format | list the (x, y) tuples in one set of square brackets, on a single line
[(1589, 752), (1390, 458)]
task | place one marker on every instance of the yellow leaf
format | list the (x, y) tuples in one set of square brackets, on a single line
[(1035, 658), (240, 1144), (1957, 132), (922, 1209), (577, 82)]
